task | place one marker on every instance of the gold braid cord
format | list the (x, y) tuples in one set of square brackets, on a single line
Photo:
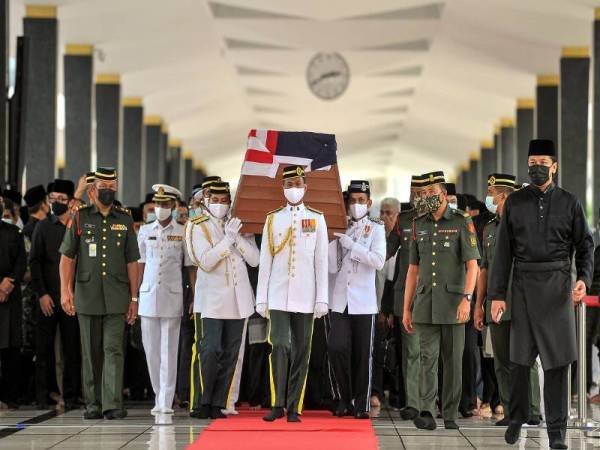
[(275, 250), (208, 238)]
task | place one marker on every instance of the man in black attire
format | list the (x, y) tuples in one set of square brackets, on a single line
[(541, 227), (44, 259), (37, 207), (13, 263)]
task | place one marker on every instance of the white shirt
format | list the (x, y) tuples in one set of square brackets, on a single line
[(223, 288), (162, 250), (355, 268), (295, 278)]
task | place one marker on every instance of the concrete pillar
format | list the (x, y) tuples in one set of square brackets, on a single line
[(174, 163), (151, 152), (162, 154), (546, 107), (108, 120), (488, 161), (524, 133), (4, 54), (507, 141), (133, 140)]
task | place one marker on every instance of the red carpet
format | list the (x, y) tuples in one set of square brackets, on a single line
[(318, 430)]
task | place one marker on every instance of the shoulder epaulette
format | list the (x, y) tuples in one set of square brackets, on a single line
[(199, 219), (492, 220), (377, 220), (123, 210), (84, 206), (314, 210), (274, 211)]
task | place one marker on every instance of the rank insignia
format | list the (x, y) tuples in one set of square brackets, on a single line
[(118, 227), (309, 225), (473, 241), (471, 228), (174, 238), (366, 230)]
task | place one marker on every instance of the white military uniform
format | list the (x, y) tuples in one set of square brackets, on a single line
[(296, 276), (162, 250), (223, 288), (356, 268)]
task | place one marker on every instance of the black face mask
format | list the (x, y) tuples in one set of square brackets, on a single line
[(539, 174), (58, 209), (106, 196)]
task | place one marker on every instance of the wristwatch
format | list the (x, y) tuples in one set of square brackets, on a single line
[(134, 299), (469, 297)]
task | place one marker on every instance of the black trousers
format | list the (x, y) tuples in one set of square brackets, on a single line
[(350, 347), (468, 399), (10, 368), (556, 399), (186, 340), (45, 358)]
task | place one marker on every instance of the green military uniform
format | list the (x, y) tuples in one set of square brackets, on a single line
[(500, 332), (103, 246), (440, 249), (398, 244)]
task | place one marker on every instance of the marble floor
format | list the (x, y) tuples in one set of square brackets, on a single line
[(33, 429)]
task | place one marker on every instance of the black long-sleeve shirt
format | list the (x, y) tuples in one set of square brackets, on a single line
[(13, 260), (44, 257), (541, 227)]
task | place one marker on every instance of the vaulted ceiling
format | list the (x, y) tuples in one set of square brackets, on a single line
[(428, 79)]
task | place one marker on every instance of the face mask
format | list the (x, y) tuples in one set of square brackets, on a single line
[(453, 206), (162, 213), (150, 217), (58, 209), (7, 220), (433, 203), (420, 206), (358, 211), (489, 204), (175, 214), (539, 174), (218, 210), (198, 212), (293, 195), (106, 196), (191, 213)]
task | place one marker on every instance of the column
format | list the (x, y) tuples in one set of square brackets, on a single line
[(459, 179), (188, 181), (174, 163), (4, 41), (162, 154), (596, 116), (108, 117), (546, 107), (488, 161), (524, 134), (78, 90), (474, 175), (133, 134), (507, 142), (574, 99), (151, 152), (497, 149), (40, 29)]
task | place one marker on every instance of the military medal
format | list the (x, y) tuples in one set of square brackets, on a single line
[(309, 225)]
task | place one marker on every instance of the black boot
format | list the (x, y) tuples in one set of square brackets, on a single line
[(92, 415), (504, 422), (293, 417), (450, 425), (362, 415), (201, 413), (112, 414), (513, 432), (425, 421), (466, 414), (341, 409), (534, 420), (556, 440), (215, 413), (408, 413), (276, 413)]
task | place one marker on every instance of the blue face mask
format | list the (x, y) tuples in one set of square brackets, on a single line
[(151, 217), (489, 204), (192, 213), (175, 214), (453, 205)]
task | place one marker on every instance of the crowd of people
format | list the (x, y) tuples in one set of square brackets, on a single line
[(436, 307)]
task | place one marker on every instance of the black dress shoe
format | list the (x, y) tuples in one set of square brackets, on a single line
[(201, 413), (92, 415), (215, 413), (556, 440), (450, 425), (425, 421), (408, 413), (293, 417), (534, 421), (513, 432), (466, 414), (362, 415), (113, 414), (504, 422), (276, 413), (341, 409)]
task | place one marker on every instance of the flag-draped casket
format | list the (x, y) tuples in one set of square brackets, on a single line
[(260, 188)]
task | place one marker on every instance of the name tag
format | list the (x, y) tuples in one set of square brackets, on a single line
[(92, 250), (174, 238), (309, 225), (151, 238), (118, 227), (447, 231), (446, 244)]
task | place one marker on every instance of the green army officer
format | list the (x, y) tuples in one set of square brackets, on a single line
[(100, 247), (443, 261)]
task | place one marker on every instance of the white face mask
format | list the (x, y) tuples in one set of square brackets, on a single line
[(7, 220), (453, 205), (489, 204), (358, 211), (294, 195), (162, 213), (218, 210)]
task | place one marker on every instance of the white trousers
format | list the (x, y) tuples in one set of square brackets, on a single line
[(161, 341)]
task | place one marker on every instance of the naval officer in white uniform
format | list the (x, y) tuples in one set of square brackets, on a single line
[(162, 257), (292, 290), (355, 257), (223, 300)]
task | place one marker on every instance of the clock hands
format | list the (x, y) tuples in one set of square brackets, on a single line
[(325, 76)]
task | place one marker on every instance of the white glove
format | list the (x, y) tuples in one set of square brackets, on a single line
[(321, 309), (345, 240), (232, 228), (261, 309)]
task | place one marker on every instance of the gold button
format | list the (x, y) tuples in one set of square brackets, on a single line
[(434, 284), (103, 264), (433, 253), (433, 263), (433, 274), (103, 238), (118, 243), (104, 255), (104, 247), (435, 234), (104, 230), (118, 234), (103, 274), (435, 225), (104, 221)]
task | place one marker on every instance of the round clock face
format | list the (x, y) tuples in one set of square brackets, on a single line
[(328, 75)]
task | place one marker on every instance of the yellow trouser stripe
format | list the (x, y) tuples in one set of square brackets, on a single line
[(271, 377), (192, 379), (200, 359), (301, 401)]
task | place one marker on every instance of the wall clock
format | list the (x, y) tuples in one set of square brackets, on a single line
[(328, 75)]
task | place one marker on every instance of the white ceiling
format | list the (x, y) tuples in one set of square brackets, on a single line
[(429, 79)]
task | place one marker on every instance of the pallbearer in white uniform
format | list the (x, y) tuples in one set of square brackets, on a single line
[(163, 255), (222, 302), (292, 290), (354, 258)]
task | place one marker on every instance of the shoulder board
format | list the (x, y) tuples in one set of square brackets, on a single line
[(199, 219), (314, 210), (84, 206), (376, 220), (274, 211), (491, 221), (123, 210)]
